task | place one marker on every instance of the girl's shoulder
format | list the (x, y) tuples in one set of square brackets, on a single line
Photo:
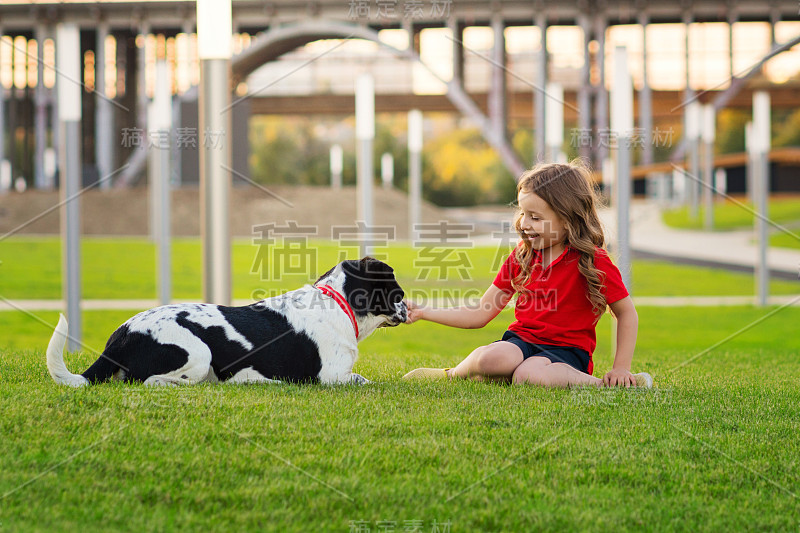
[(601, 259), (600, 252)]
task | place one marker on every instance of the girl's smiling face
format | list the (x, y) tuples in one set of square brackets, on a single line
[(540, 225)]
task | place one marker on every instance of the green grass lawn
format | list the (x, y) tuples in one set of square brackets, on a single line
[(125, 268), (713, 448), (729, 216), (784, 240)]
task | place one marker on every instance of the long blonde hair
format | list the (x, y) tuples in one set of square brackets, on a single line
[(568, 190)]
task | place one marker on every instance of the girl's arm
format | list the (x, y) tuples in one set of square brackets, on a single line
[(493, 301), (627, 327)]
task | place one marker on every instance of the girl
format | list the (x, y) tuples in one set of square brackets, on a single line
[(564, 280)]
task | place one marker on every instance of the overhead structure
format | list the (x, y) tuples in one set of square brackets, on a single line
[(273, 43)]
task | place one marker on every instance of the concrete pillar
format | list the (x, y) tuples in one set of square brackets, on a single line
[(731, 20), (214, 32), (645, 99), (12, 116), (692, 119), (68, 63), (687, 20), (774, 18), (413, 41), (691, 127), (40, 114), (584, 98), (761, 146), (708, 135), (365, 140), (622, 126), (415, 131), (457, 30), (497, 89), (540, 84), (104, 116), (2, 117), (601, 95), (160, 183), (141, 83), (387, 171), (554, 122), (55, 131), (337, 165)]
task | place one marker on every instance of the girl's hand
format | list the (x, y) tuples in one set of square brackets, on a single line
[(618, 377), (414, 312)]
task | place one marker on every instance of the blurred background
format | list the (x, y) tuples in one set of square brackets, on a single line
[(501, 85), (299, 91)]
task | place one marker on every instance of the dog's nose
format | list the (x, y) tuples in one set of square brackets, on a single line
[(402, 311)]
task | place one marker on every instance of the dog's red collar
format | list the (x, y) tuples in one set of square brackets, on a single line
[(330, 291)]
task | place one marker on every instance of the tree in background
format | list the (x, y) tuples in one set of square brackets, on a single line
[(459, 167), (787, 133)]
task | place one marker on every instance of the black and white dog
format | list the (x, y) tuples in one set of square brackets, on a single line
[(310, 334)]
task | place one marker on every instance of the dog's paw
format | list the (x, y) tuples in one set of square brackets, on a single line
[(358, 379), (161, 381)]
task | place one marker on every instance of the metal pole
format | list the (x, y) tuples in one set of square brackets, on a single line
[(387, 171), (584, 99), (40, 117), (337, 165), (646, 102), (554, 122), (69, 105), (731, 20), (214, 34), (152, 173), (622, 127), (538, 92), (709, 119), (162, 122), (457, 30), (414, 173), (749, 175), (104, 117), (761, 138), (141, 80), (692, 131), (601, 100), (365, 135), (692, 125), (497, 88), (721, 180), (55, 134), (2, 118)]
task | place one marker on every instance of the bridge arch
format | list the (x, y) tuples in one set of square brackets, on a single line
[(273, 43)]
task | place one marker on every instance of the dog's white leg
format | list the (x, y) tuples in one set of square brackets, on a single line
[(248, 375), (163, 380), (345, 379), (196, 369), (358, 379)]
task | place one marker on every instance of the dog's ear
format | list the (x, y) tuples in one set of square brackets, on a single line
[(370, 265)]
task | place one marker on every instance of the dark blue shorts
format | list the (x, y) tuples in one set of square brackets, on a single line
[(574, 357)]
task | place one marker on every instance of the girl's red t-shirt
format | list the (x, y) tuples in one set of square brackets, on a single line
[(557, 310)]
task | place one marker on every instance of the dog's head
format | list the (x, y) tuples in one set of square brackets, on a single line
[(369, 286)]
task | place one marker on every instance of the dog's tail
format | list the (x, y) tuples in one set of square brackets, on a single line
[(55, 358)]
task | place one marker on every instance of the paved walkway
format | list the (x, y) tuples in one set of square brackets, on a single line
[(733, 248)]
